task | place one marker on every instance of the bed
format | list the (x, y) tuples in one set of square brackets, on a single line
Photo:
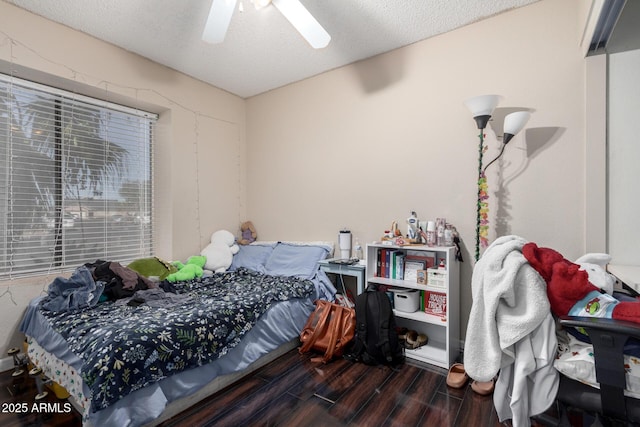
[(136, 364)]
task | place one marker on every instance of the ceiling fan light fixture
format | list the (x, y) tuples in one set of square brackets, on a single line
[(259, 4), (218, 20), (221, 12), (304, 22)]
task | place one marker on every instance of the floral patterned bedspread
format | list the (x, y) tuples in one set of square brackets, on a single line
[(124, 348)]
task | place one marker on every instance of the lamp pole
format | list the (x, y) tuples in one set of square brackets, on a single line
[(481, 197)]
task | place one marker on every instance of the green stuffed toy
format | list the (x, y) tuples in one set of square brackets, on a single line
[(152, 267), (188, 271)]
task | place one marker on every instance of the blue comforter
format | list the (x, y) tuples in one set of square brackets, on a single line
[(123, 348)]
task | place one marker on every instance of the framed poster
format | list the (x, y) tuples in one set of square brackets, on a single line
[(411, 268)]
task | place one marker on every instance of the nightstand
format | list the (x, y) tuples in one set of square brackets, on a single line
[(356, 270)]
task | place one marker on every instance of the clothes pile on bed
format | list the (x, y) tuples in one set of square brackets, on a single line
[(92, 283)]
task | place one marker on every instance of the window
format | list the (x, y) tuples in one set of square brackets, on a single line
[(75, 180)]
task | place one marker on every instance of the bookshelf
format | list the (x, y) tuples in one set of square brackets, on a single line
[(443, 331)]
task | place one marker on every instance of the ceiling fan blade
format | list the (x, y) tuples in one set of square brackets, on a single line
[(218, 21), (304, 22)]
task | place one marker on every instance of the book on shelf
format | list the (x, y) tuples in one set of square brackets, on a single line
[(435, 303), (389, 272), (390, 263), (399, 265), (384, 262)]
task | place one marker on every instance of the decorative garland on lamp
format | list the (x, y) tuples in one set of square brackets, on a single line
[(482, 206)]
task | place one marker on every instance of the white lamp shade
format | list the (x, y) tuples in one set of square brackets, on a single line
[(482, 105), (514, 122)]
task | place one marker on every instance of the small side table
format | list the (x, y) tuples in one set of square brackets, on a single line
[(356, 270)]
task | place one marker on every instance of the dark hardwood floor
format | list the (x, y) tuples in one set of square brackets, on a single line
[(295, 391), (18, 406)]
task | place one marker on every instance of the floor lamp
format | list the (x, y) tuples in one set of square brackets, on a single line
[(482, 108)]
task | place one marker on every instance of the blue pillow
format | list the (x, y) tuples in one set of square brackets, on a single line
[(295, 260), (253, 257)]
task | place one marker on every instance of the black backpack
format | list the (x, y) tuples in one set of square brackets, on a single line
[(376, 340)]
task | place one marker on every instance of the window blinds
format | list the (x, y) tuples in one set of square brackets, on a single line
[(75, 180)]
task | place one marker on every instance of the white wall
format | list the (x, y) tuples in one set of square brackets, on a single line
[(595, 173), (199, 155), (624, 157), (364, 145)]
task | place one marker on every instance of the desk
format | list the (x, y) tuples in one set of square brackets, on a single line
[(629, 274), (355, 270)]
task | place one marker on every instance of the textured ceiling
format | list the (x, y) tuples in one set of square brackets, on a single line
[(262, 51)]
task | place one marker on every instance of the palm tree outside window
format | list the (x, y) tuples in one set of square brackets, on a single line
[(75, 180)]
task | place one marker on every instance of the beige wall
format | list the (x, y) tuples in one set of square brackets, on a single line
[(360, 146), (364, 145), (200, 134)]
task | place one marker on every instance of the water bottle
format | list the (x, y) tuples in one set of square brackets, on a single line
[(448, 235), (357, 250), (440, 226), (431, 233)]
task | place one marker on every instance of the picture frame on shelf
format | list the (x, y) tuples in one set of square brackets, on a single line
[(428, 257), (411, 268), (421, 277)]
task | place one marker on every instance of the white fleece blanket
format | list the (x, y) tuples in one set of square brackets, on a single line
[(509, 304), (529, 385)]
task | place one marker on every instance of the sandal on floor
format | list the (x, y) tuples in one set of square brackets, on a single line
[(483, 388), (457, 376), (415, 340), (402, 334), (409, 338)]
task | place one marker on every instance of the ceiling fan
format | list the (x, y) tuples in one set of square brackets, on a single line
[(221, 11)]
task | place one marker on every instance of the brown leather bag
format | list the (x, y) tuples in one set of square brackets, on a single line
[(328, 330)]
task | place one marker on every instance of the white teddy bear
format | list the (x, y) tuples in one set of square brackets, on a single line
[(595, 265), (220, 251)]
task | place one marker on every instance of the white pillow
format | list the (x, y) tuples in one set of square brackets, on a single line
[(577, 362)]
